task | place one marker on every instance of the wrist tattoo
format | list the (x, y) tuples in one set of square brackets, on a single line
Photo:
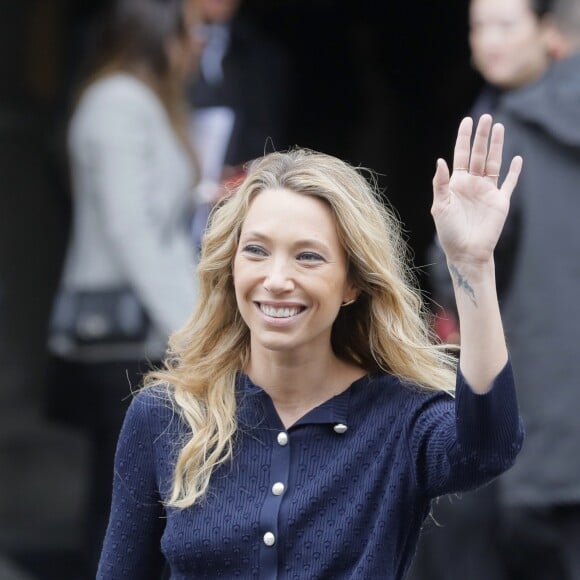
[(463, 283)]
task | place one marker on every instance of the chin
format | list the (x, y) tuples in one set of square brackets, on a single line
[(278, 344), (277, 348), (497, 78)]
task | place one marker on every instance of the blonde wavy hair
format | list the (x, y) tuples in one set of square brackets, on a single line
[(385, 330)]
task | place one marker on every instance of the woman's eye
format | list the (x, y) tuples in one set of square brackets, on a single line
[(310, 257), (254, 250)]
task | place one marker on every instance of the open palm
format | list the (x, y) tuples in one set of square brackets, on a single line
[(469, 208)]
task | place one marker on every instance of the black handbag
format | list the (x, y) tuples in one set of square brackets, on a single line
[(91, 317)]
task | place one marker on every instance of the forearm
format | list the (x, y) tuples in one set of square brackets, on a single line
[(440, 284), (470, 210), (483, 347)]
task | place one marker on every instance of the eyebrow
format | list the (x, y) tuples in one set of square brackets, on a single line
[(309, 242)]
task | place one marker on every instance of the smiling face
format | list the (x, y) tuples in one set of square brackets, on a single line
[(507, 42), (290, 273)]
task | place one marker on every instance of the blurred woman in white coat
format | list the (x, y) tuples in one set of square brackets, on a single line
[(128, 280)]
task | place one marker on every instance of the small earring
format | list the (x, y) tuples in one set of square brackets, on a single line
[(348, 302)]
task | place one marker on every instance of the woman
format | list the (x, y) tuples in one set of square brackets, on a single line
[(128, 280), (303, 422)]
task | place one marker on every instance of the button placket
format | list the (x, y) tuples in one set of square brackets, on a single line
[(279, 473)]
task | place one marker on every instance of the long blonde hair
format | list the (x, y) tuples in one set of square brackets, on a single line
[(384, 330)]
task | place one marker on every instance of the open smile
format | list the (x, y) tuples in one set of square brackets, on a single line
[(280, 311)]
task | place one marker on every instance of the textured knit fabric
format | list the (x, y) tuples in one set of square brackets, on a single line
[(313, 501)]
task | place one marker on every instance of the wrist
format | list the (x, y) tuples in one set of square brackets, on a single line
[(475, 270), (472, 281)]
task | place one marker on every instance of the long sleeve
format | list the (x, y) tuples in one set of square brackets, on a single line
[(458, 447), (160, 265), (131, 548)]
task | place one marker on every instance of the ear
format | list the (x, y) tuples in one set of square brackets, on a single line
[(554, 41), (351, 292)]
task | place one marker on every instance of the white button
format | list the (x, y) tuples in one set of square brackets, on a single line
[(269, 539), (278, 488), (340, 428), (282, 438)]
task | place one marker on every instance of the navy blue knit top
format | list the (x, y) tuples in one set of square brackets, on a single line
[(340, 494)]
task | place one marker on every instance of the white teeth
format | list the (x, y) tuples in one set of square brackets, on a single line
[(279, 312)]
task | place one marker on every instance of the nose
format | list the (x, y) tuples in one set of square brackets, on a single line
[(491, 36), (278, 279)]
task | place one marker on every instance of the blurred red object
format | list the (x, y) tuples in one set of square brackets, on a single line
[(446, 327), (233, 176)]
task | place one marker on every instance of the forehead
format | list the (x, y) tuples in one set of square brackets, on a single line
[(282, 210), (500, 8)]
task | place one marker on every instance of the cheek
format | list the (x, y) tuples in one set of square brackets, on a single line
[(475, 45), (240, 296), (237, 277), (244, 280), (525, 37), (334, 291), (529, 50)]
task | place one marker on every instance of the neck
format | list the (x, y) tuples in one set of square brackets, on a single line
[(299, 383)]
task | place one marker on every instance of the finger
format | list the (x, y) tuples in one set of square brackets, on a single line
[(493, 162), (462, 145), (479, 149), (512, 177), (440, 180)]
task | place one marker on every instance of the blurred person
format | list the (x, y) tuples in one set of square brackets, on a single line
[(510, 48), (240, 70), (541, 498), (538, 512), (303, 421), (509, 43), (128, 280), (239, 98), (507, 39)]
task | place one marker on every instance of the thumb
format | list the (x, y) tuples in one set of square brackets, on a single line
[(440, 181), (512, 177)]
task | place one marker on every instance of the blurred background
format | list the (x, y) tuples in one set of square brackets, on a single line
[(380, 84)]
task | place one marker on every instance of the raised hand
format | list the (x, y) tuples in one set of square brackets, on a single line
[(468, 208)]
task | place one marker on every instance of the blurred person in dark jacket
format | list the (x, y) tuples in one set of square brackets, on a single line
[(511, 49), (239, 99), (541, 496), (242, 70), (536, 516)]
